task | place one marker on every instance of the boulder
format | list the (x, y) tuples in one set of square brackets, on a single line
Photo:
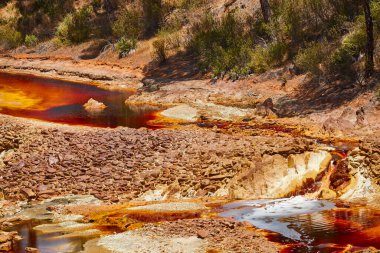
[(266, 109), (181, 112)]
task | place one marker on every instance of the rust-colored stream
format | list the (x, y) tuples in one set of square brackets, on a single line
[(62, 102), (314, 226)]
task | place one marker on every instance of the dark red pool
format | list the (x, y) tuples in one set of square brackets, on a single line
[(62, 102)]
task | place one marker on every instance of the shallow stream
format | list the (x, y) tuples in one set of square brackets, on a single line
[(59, 101), (46, 242), (309, 225)]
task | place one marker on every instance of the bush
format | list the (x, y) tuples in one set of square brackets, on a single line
[(9, 37), (159, 52), (75, 28), (347, 54), (226, 46), (259, 60), (223, 46), (128, 24), (310, 58), (40, 17), (124, 46), (31, 40), (355, 42), (277, 53), (305, 20)]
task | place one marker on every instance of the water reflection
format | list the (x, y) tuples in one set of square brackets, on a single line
[(46, 242), (62, 102), (311, 225)]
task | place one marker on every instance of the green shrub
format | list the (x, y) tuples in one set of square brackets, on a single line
[(128, 24), (10, 37), (310, 58), (62, 32), (341, 63), (124, 46), (259, 60), (40, 17), (226, 47), (277, 53), (355, 42), (159, 52), (76, 27), (223, 46), (346, 55), (31, 40), (299, 21)]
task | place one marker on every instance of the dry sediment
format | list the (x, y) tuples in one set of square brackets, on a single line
[(123, 163), (217, 235)]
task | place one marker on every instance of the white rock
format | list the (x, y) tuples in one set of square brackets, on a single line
[(181, 112), (94, 106)]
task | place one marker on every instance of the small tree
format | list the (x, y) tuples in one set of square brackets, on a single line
[(265, 8), (152, 15), (369, 63)]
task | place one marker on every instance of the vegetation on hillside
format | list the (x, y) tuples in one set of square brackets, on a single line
[(329, 39)]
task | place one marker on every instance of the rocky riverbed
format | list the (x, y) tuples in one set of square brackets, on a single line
[(209, 151), (40, 162)]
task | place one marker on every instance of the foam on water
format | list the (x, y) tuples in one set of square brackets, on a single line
[(271, 214)]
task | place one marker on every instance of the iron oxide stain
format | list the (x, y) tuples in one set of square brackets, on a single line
[(60, 101)]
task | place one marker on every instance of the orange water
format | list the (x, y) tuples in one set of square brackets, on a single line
[(62, 102)]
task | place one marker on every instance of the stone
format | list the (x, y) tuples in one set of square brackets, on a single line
[(181, 112), (266, 109), (5, 238), (327, 194), (205, 182), (29, 193), (94, 106), (203, 233), (31, 250), (53, 160), (201, 193), (6, 246), (51, 170)]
